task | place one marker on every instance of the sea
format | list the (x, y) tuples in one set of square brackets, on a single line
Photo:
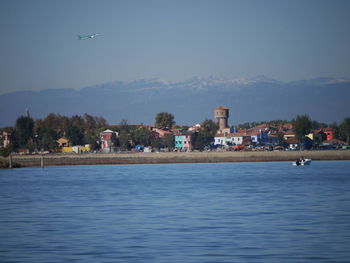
[(217, 212)]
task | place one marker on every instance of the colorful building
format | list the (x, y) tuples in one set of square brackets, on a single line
[(63, 142), (329, 133), (183, 142), (106, 140), (6, 139)]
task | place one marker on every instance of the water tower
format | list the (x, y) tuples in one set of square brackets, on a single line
[(221, 115)]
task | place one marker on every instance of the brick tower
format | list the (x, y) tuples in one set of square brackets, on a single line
[(221, 115)]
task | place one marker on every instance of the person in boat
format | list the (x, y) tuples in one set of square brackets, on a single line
[(297, 162)]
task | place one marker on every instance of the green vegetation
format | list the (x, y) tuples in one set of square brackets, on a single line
[(205, 136), (302, 126), (42, 134), (164, 120), (344, 130)]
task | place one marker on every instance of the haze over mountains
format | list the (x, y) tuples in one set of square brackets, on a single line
[(254, 99)]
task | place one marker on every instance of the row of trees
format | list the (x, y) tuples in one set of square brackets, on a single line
[(43, 133)]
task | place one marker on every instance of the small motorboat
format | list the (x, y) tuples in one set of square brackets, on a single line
[(302, 162)]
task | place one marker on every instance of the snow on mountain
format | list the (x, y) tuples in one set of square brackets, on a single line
[(249, 99)]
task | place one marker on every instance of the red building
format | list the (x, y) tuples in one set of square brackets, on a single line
[(329, 134), (106, 142)]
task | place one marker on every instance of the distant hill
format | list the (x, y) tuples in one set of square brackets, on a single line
[(191, 101)]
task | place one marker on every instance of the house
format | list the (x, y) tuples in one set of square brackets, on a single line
[(63, 142), (76, 149), (220, 139), (329, 133), (273, 139), (288, 134), (293, 143), (5, 139), (239, 138), (183, 142), (195, 128), (162, 133), (259, 137), (265, 127), (106, 140)]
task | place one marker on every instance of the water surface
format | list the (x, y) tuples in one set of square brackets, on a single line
[(222, 212)]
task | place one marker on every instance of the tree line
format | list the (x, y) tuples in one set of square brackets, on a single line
[(79, 130), (43, 133)]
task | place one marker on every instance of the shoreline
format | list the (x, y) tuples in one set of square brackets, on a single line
[(173, 157)]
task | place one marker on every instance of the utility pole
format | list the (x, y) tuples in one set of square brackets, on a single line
[(10, 161)]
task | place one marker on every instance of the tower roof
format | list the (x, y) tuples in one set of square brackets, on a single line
[(221, 108)]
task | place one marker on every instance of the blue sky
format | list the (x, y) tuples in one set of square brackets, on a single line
[(173, 40)]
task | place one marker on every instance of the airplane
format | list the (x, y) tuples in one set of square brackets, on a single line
[(88, 36)]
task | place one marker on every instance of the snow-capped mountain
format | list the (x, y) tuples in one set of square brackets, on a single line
[(191, 101)]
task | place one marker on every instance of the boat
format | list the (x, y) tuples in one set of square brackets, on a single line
[(302, 162)]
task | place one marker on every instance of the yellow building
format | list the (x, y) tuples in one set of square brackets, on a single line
[(77, 149)]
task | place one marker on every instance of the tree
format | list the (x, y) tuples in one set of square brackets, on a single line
[(24, 130), (90, 122), (344, 130), (47, 139), (6, 151), (169, 141), (115, 140), (336, 131), (164, 120), (57, 123), (142, 136), (91, 137), (302, 125), (75, 135), (124, 141), (205, 135), (318, 125)]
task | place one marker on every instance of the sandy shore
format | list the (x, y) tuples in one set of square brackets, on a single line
[(174, 157)]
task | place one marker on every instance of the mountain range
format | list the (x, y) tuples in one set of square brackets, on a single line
[(191, 101)]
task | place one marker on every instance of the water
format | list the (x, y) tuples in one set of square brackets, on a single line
[(226, 212)]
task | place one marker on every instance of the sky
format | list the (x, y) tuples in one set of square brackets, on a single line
[(172, 40)]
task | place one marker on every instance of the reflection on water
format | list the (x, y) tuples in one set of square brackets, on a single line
[(230, 212)]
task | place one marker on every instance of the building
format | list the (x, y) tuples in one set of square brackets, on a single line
[(195, 128), (273, 139), (63, 142), (161, 133), (220, 140), (221, 115), (106, 140), (259, 137), (329, 134), (288, 135), (183, 142), (293, 143), (6, 139)]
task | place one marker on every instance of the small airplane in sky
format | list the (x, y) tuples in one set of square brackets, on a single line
[(91, 36)]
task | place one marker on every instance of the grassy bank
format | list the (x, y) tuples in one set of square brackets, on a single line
[(191, 157)]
